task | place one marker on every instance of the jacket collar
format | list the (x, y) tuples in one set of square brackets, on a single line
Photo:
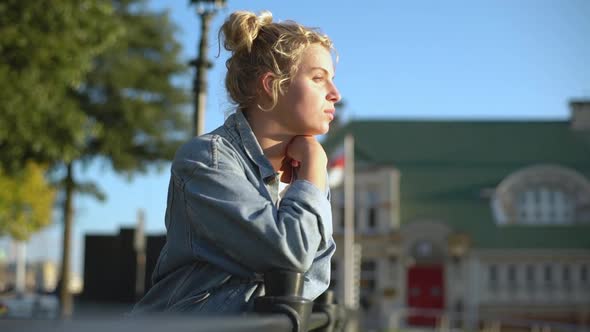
[(250, 143)]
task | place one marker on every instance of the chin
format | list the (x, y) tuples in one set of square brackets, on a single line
[(324, 132), (317, 131)]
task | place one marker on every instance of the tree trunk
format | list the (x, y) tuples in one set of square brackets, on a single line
[(21, 266), (64, 293)]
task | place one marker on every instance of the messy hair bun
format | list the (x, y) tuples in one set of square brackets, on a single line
[(259, 46), (242, 28)]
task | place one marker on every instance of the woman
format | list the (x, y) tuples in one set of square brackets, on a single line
[(230, 214)]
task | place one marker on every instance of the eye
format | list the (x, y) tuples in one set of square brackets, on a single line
[(318, 78)]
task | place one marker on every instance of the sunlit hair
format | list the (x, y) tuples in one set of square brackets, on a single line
[(259, 45)]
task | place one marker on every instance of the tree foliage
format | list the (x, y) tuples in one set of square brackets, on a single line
[(134, 110), (81, 79), (46, 47), (26, 202), (86, 80)]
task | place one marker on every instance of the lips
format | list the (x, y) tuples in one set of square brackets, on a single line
[(330, 112)]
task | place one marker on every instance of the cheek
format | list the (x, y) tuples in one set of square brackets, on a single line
[(298, 100), (311, 99), (303, 101), (297, 92)]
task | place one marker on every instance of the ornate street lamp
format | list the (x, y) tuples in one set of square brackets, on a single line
[(206, 10), (458, 245)]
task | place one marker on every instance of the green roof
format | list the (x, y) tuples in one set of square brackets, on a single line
[(446, 165)]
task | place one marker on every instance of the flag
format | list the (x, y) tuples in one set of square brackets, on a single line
[(336, 167)]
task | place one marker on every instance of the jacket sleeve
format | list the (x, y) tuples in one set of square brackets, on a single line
[(317, 278), (226, 210)]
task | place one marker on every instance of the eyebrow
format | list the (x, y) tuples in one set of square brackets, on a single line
[(322, 69)]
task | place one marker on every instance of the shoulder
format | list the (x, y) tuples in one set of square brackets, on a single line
[(208, 151), (198, 150)]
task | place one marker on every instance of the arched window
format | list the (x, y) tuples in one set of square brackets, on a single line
[(545, 205), (543, 194)]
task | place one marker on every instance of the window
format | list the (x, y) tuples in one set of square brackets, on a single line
[(548, 276), (372, 218), (493, 273), (333, 274), (368, 276), (493, 277), (368, 266), (511, 276), (566, 274), (372, 205), (530, 277), (584, 274), (368, 284), (543, 205), (542, 194), (548, 273), (566, 277)]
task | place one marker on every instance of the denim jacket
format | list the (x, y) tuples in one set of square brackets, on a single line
[(226, 226)]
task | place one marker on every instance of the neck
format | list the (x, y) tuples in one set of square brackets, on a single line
[(270, 136)]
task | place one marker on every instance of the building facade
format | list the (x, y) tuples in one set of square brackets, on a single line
[(468, 223)]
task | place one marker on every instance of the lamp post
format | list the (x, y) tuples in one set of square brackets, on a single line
[(206, 9)]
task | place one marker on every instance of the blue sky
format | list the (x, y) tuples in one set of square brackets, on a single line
[(411, 59)]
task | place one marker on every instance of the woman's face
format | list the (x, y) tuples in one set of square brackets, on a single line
[(307, 107)]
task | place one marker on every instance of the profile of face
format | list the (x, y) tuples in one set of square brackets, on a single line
[(307, 106)]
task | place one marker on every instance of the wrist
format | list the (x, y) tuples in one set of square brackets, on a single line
[(314, 171)]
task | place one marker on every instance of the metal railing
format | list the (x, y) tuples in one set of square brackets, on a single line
[(281, 309), (283, 295)]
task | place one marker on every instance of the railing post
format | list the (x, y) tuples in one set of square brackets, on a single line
[(283, 294), (325, 303)]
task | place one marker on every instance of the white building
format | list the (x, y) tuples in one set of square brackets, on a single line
[(471, 223)]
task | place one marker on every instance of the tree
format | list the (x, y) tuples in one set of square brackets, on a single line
[(26, 202), (87, 80), (46, 47), (134, 113)]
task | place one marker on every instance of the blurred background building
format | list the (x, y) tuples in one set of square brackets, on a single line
[(470, 221), (41, 275)]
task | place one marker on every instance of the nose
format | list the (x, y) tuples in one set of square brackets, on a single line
[(333, 94)]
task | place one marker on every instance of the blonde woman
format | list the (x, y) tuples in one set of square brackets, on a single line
[(251, 196)]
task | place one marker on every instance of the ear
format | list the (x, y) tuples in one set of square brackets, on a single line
[(266, 81)]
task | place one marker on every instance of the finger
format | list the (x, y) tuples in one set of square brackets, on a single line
[(286, 175)]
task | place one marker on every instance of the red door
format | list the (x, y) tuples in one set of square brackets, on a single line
[(425, 293)]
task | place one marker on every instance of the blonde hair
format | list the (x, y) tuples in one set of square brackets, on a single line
[(259, 45)]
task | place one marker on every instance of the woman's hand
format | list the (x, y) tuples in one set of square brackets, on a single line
[(306, 156)]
